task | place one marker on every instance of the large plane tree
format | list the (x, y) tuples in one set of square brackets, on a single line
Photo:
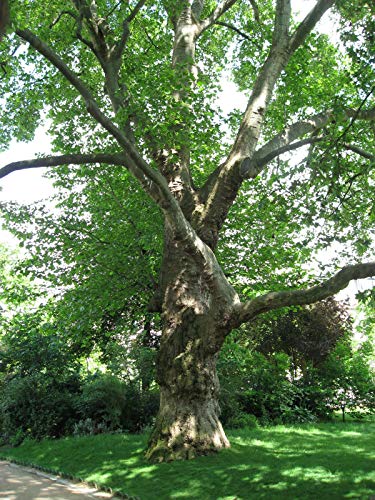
[(134, 86)]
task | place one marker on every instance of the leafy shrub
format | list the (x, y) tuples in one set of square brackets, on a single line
[(259, 386), (111, 404), (262, 386), (102, 401), (141, 408), (242, 420), (36, 406), (297, 415)]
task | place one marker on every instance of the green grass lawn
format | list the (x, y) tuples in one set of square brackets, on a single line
[(320, 461)]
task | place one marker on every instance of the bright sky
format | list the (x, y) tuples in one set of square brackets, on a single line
[(28, 186), (24, 186)]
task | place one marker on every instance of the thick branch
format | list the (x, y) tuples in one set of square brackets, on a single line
[(294, 131), (283, 47), (248, 133), (251, 168), (174, 159), (308, 24), (282, 20), (221, 8), (53, 161), (361, 114), (274, 300), (284, 141), (360, 151)]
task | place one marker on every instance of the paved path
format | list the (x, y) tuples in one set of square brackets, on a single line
[(22, 483)]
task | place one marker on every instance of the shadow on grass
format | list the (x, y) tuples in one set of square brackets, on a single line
[(317, 461)]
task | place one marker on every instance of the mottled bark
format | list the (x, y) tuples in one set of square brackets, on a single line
[(197, 306), (4, 17), (174, 161), (188, 422)]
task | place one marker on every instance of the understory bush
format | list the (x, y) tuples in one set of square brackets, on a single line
[(265, 387), (45, 392), (102, 401), (242, 421), (253, 385), (107, 404), (36, 406)]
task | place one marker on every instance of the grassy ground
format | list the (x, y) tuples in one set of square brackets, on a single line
[(324, 461)]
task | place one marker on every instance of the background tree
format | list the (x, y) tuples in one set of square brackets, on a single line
[(131, 87), (349, 378), (307, 334), (297, 365)]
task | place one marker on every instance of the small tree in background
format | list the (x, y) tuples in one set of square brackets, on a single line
[(307, 334), (349, 377), (298, 366)]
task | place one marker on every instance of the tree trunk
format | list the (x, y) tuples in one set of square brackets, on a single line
[(188, 421), (197, 301)]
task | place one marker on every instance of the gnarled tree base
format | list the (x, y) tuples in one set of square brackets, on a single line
[(183, 435)]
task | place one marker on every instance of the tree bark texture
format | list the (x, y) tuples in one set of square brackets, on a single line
[(4, 17), (197, 304), (188, 422)]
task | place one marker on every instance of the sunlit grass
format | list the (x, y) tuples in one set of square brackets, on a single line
[(289, 462)]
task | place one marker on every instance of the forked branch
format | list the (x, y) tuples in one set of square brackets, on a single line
[(286, 140), (135, 10), (221, 188), (250, 168), (120, 45), (274, 300), (91, 105), (220, 9), (151, 180)]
